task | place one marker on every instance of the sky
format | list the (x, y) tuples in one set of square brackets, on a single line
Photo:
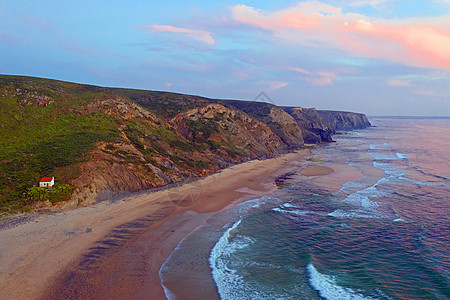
[(379, 57)]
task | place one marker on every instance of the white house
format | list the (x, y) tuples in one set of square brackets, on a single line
[(47, 182)]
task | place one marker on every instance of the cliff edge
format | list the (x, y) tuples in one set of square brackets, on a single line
[(341, 120), (99, 142)]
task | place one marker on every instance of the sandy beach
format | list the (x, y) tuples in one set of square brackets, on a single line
[(114, 249)]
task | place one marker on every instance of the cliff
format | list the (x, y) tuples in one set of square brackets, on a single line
[(280, 122), (315, 129), (99, 142), (340, 120)]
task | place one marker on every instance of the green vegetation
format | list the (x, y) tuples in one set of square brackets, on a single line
[(45, 131), (49, 128), (57, 193), (63, 150), (163, 104), (315, 159), (213, 145), (202, 129)]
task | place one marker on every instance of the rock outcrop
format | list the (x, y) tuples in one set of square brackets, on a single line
[(280, 122), (342, 120), (315, 129), (226, 126)]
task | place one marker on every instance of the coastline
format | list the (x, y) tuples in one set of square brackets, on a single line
[(69, 252)]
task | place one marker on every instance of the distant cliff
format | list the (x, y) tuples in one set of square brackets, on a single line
[(315, 129), (99, 142), (340, 120), (319, 125)]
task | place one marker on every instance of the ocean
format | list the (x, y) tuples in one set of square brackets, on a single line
[(385, 235)]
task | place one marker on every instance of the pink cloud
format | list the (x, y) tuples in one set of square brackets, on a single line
[(277, 85), (426, 92), (198, 35), (240, 74), (398, 82), (303, 16), (168, 85), (38, 22), (315, 78), (415, 42), (299, 70), (419, 45), (321, 78)]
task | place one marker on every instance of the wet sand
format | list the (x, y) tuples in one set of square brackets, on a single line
[(115, 249), (35, 254), (332, 176), (316, 171)]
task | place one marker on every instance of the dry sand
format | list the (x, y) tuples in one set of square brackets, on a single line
[(82, 253)]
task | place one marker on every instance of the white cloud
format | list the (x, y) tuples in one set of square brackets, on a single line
[(372, 3)]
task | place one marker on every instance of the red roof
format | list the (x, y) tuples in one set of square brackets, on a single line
[(46, 179)]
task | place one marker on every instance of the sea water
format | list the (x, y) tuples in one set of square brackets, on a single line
[(385, 235)]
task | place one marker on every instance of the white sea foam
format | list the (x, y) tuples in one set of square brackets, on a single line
[(328, 288), (289, 205), (292, 212), (362, 198), (430, 183), (398, 220), (401, 155), (225, 277), (360, 195), (357, 213), (246, 206), (230, 284), (391, 170), (353, 186), (383, 156), (357, 133), (378, 146)]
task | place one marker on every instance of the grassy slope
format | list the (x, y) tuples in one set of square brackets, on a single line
[(41, 136), (48, 128)]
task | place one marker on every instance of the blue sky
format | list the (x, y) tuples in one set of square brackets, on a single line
[(379, 57)]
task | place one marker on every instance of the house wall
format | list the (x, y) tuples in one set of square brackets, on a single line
[(46, 184)]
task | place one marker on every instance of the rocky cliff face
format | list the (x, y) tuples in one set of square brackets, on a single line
[(341, 120), (104, 141), (193, 143), (315, 130), (226, 126), (280, 122)]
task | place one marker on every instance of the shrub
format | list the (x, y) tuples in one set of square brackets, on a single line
[(57, 193)]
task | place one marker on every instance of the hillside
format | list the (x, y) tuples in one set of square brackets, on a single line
[(98, 142), (281, 123)]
